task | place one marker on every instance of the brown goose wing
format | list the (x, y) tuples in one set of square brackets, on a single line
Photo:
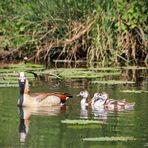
[(39, 96)]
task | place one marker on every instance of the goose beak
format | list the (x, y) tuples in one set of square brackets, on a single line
[(93, 98)]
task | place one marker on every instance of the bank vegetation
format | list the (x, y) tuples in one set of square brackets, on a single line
[(109, 32)]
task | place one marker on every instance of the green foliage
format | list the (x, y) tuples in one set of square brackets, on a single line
[(119, 33), (110, 32)]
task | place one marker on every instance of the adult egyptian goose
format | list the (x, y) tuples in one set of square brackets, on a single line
[(38, 99), (102, 100)]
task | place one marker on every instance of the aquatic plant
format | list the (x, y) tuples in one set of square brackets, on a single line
[(111, 82), (134, 91), (68, 121), (110, 139), (9, 73)]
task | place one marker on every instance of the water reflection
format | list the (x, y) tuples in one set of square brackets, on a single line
[(137, 75), (83, 112), (26, 112), (100, 113), (24, 124)]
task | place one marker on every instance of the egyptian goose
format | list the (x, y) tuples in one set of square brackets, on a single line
[(102, 100), (98, 100), (38, 99), (84, 94)]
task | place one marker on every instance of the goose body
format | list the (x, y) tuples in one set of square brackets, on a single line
[(101, 100), (38, 99), (98, 101)]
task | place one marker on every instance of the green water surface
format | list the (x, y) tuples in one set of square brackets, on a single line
[(45, 129)]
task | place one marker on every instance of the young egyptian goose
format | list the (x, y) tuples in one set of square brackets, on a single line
[(38, 99), (102, 100), (84, 94), (98, 100)]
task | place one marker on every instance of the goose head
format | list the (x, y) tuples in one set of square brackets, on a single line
[(96, 96), (100, 96), (84, 94), (23, 83), (103, 96), (23, 86)]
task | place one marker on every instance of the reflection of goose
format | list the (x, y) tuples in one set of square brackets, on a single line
[(101, 100), (84, 113), (100, 113), (24, 125), (38, 99), (26, 112)]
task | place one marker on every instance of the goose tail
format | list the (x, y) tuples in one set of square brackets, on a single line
[(130, 106)]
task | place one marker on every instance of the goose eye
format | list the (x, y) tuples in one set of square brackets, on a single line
[(97, 94)]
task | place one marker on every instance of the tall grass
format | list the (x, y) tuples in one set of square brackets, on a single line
[(119, 36)]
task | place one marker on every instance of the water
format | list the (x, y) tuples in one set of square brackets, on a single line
[(43, 127)]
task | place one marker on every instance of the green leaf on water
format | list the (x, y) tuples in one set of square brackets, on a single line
[(110, 139), (9, 73), (68, 121), (84, 126), (113, 82), (134, 91)]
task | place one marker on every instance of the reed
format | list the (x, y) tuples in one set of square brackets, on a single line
[(119, 35), (111, 32)]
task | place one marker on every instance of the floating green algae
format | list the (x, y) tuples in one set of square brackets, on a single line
[(111, 82), (9, 73), (84, 126), (68, 121), (78, 73), (134, 91), (110, 139)]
